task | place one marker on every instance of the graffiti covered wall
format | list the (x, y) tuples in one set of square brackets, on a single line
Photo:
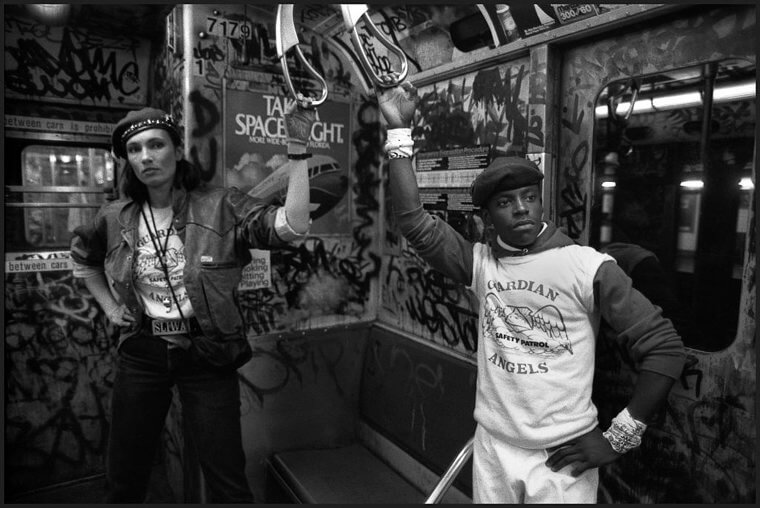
[(299, 393), (340, 263), (59, 367), (489, 109), (59, 356), (69, 65)]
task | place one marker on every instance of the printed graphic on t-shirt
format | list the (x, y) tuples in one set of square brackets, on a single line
[(150, 275), (537, 332)]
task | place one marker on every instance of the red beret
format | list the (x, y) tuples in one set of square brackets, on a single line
[(138, 121), (504, 173)]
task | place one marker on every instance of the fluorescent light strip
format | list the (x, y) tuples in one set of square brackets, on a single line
[(692, 184), (675, 101), (745, 184), (726, 93), (735, 92)]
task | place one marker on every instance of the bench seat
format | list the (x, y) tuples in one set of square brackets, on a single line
[(414, 411), (350, 474)]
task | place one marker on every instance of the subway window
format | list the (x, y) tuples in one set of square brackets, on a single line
[(673, 158), (59, 188)]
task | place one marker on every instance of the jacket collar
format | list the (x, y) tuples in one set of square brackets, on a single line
[(130, 210)]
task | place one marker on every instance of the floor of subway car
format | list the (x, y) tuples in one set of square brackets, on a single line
[(85, 491), (89, 491)]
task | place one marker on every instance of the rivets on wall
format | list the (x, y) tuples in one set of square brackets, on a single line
[(202, 35)]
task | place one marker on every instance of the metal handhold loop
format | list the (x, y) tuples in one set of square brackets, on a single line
[(352, 14), (286, 38)]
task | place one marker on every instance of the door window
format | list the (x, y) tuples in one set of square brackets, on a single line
[(61, 188), (673, 173)]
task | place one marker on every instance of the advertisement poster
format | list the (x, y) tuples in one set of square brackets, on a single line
[(457, 167), (444, 178), (534, 18), (454, 205), (258, 273), (256, 155)]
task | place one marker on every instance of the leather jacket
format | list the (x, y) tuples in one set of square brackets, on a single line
[(217, 227)]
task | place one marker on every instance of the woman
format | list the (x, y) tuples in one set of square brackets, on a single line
[(164, 265)]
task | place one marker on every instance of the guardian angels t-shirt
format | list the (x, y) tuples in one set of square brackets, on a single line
[(537, 339), (150, 278)]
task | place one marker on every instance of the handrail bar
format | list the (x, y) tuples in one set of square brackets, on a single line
[(451, 473)]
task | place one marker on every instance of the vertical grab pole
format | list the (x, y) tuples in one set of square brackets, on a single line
[(451, 473)]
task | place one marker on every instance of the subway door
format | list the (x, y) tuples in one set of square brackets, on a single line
[(656, 160), (58, 352)]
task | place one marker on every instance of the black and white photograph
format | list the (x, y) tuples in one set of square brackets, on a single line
[(380, 253)]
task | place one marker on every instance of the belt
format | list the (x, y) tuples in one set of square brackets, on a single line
[(172, 326)]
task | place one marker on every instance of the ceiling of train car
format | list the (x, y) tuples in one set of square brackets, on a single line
[(325, 18), (142, 20), (147, 20), (328, 20)]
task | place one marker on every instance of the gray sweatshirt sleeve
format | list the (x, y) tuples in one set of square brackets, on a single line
[(640, 328), (437, 243)]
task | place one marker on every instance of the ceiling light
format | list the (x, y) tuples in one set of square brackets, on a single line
[(724, 93), (692, 184), (746, 183), (737, 92), (678, 100), (50, 14)]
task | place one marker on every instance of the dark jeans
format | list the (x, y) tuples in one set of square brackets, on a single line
[(142, 394)]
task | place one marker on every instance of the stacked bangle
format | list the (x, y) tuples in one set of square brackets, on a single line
[(298, 156), (625, 432)]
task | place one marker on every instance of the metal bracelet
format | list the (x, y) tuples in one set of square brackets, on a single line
[(625, 432)]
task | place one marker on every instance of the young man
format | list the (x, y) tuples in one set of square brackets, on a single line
[(541, 299)]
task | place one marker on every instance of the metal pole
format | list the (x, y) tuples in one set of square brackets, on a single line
[(448, 477)]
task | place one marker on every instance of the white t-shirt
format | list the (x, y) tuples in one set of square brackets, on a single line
[(536, 344), (150, 278)]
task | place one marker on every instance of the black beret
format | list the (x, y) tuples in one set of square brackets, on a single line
[(504, 173), (138, 121)]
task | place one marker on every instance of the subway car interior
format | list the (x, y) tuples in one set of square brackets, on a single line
[(361, 387)]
